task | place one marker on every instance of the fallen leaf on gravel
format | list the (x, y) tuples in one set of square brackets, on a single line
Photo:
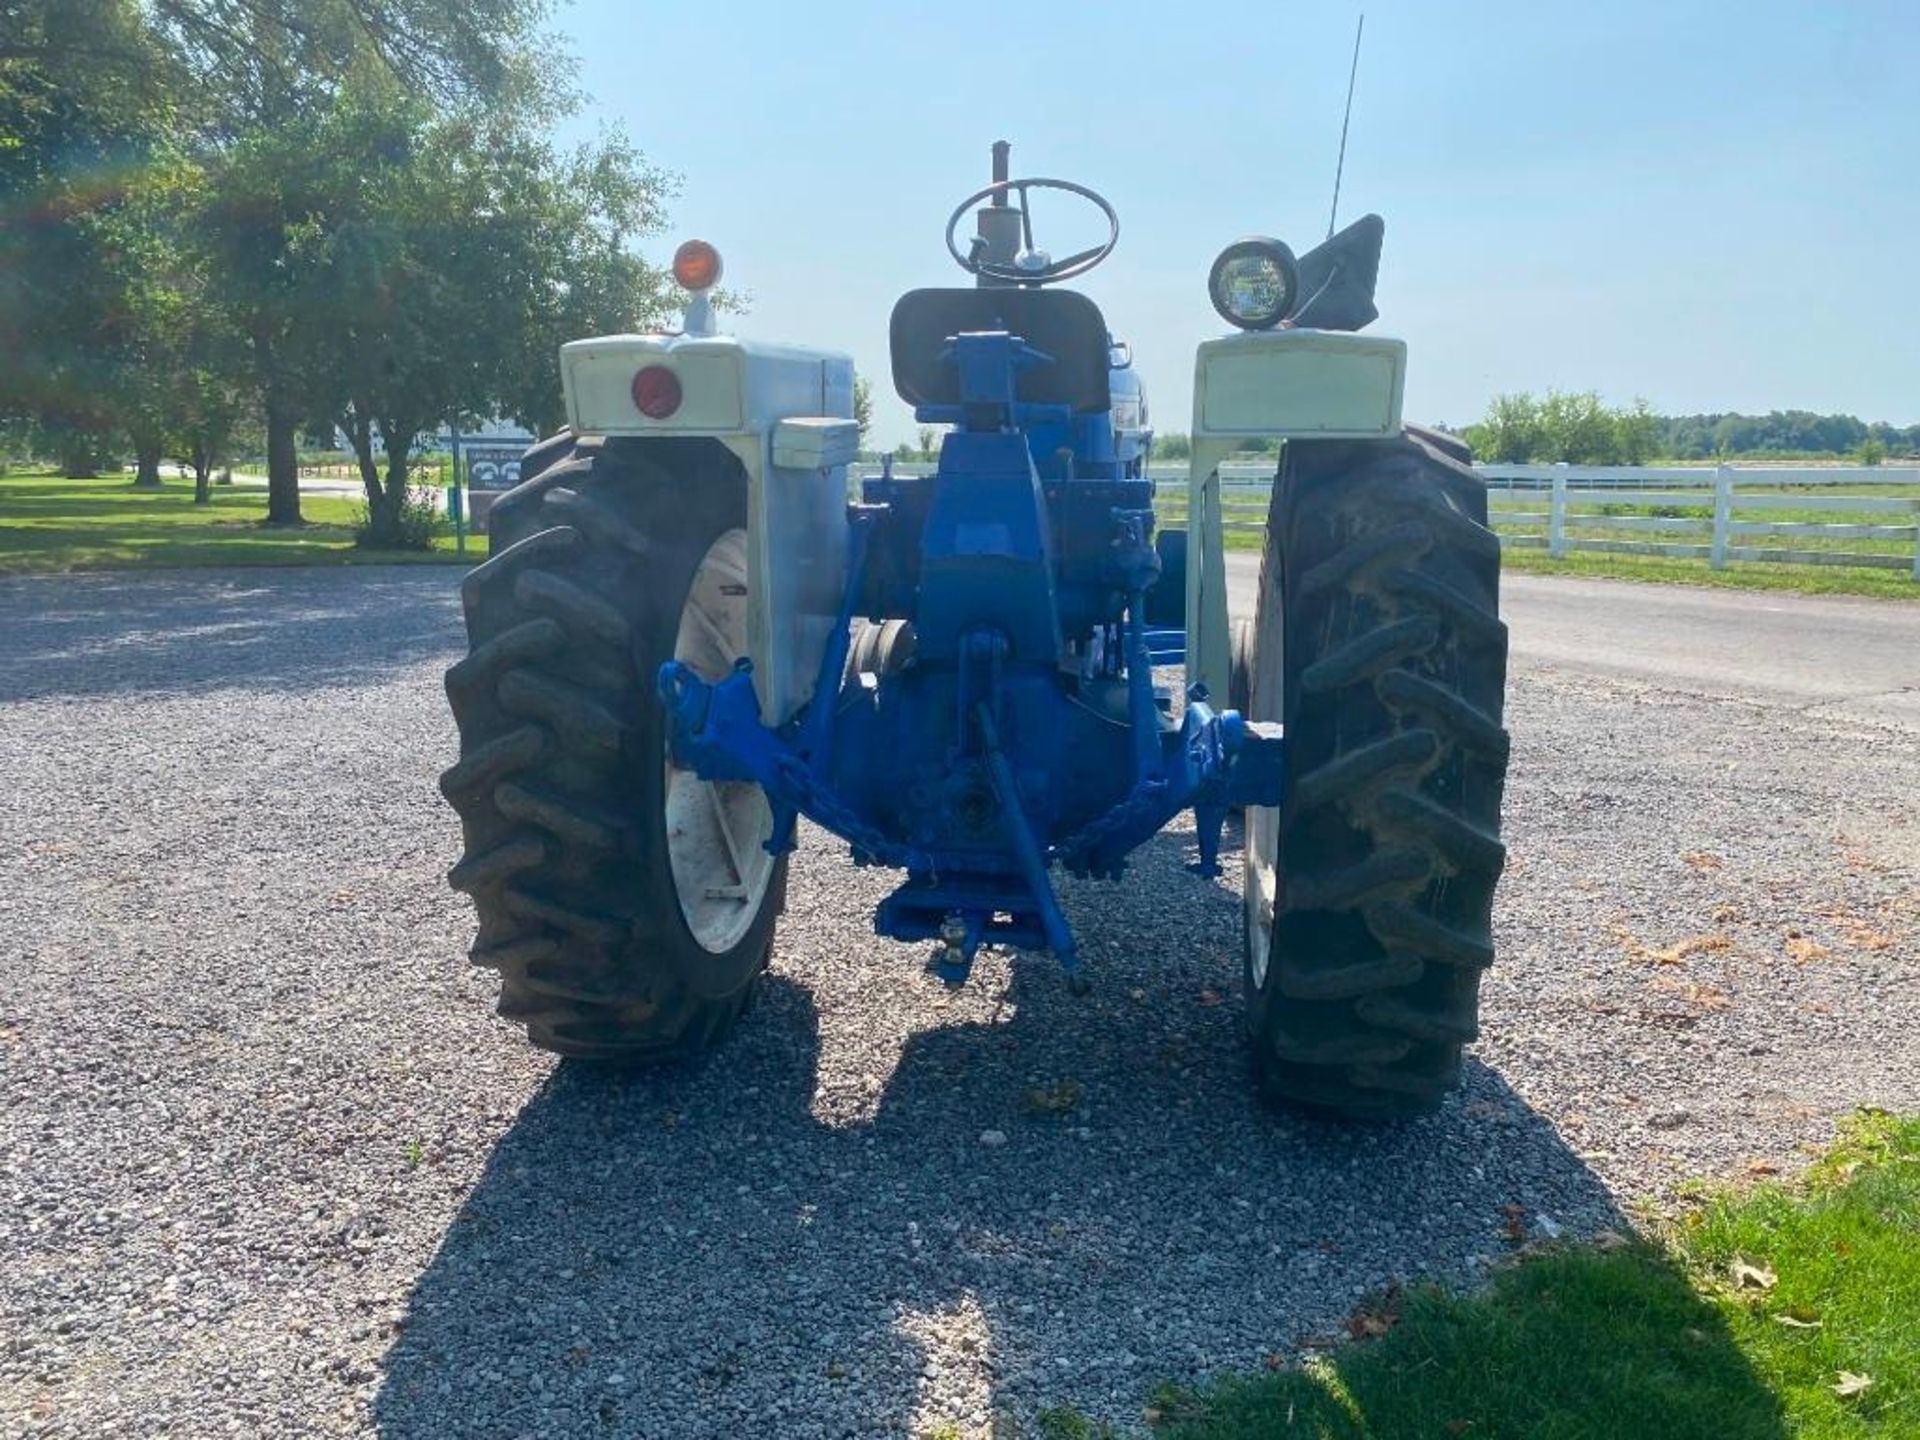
[(1374, 1319), (1607, 1241), (1694, 992), (1860, 860), (1746, 1273), (1056, 1098), (1692, 945), (1513, 1223), (1638, 949), (1701, 860), (1850, 1383), (1725, 914), (1763, 1167), (1858, 933), (1802, 949), (1274, 1360), (1211, 996)]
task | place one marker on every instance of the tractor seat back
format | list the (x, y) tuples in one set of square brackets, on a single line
[(1060, 323)]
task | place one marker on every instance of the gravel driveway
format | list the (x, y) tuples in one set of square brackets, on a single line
[(271, 1166)]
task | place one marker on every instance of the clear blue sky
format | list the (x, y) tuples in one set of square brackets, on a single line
[(1715, 206)]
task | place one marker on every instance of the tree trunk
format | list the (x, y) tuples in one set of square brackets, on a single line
[(202, 475), (386, 516), (79, 457), (359, 430), (283, 465), (382, 530), (146, 452)]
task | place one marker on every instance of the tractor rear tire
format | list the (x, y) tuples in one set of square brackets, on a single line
[(628, 905), (1369, 892)]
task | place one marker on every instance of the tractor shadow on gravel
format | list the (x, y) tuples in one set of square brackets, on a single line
[(682, 1252), (264, 629)]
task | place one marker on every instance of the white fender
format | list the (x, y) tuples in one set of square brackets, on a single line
[(787, 414), (1270, 384)]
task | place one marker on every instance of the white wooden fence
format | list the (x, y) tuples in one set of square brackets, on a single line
[(1730, 504), (1699, 512), (1696, 512)]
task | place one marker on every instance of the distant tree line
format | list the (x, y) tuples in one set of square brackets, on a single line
[(1695, 437), (229, 223), (1581, 429)]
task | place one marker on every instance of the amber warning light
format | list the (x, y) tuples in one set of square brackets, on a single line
[(696, 266)]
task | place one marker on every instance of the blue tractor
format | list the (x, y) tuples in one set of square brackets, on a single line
[(692, 634)]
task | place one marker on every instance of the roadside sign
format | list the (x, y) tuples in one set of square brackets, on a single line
[(492, 464), (487, 466)]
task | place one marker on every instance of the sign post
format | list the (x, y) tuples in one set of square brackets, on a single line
[(454, 498)]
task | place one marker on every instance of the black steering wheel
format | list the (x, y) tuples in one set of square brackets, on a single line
[(1051, 271)]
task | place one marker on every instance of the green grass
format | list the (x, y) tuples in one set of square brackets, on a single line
[(1658, 1339), (52, 524), (1670, 570), (1739, 575), (1588, 519)]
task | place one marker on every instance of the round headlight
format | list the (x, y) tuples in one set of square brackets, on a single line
[(1255, 283)]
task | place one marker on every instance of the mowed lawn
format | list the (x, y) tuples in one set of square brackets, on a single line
[(1246, 510), (51, 524), (1779, 1310)]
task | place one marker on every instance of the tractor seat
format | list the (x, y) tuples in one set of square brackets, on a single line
[(1060, 323)]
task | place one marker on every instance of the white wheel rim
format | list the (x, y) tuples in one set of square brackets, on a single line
[(1267, 681), (1259, 887), (716, 830)]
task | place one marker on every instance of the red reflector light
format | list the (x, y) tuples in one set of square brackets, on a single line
[(656, 392)]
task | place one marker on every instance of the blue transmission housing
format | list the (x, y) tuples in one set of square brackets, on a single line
[(1018, 725)]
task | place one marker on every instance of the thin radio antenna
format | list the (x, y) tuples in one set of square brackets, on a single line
[(1345, 120)]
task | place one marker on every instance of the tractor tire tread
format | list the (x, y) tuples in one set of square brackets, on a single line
[(559, 731), (1389, 839)]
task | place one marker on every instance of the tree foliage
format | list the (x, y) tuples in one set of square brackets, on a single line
[(863, 405), (312, 212), (1580, 429), (468, 251)]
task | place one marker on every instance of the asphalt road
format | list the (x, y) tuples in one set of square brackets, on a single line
[(1829, 655)]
